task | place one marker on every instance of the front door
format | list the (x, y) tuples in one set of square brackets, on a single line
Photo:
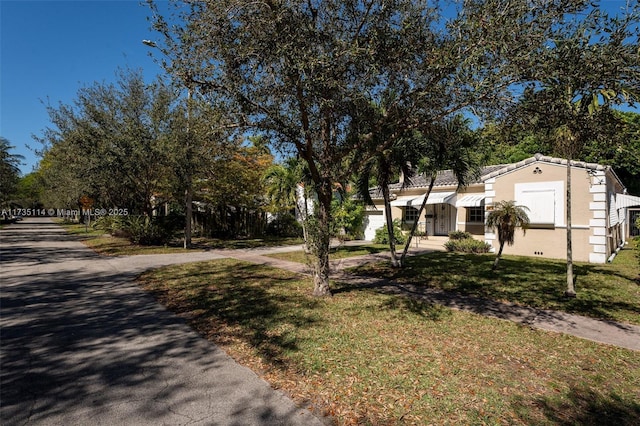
[(442, 219)]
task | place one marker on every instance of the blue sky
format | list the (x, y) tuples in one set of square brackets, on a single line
[(49, 49)]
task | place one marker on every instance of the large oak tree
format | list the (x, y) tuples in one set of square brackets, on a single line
[(299, 70)]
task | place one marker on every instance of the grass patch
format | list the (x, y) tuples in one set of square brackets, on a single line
[(340, 252), (216, 243), (108, 245), (367, 358), (607, 291)]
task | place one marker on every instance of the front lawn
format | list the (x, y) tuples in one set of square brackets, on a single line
[(368, 358), (608, 291)]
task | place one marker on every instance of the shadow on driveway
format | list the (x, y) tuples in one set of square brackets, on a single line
[(82, 344)]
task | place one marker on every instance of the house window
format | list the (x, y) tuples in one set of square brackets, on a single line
[(475, 214), (544, 201), (410, 214)]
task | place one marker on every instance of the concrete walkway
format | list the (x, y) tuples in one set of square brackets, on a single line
[(82, 344)]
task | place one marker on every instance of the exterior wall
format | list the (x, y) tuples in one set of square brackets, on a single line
[(588, 206), (436, 219), (615, 226), (474, 228)]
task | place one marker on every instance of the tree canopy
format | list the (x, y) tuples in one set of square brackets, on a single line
[(9, 170), (300, 71)]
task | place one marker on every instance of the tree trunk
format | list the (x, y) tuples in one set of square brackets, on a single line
[(392, 238), (415, 224), (188, 192), (188, 208), (571, 291), (321, 243), (497, 259), (305, 231)]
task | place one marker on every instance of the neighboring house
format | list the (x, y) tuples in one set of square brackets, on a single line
[(600, 207)]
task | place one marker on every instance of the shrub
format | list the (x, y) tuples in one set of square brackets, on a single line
[(459, 235), (284, 225), (467, 245), (148, 231), (113, 225), (382, 236), (348, 217)]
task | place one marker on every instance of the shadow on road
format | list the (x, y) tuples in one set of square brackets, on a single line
[(83, 344)]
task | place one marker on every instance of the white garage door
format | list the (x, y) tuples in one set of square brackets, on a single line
[(372, 221)]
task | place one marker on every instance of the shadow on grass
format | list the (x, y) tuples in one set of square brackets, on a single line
[(583, 406), (229, 300), (538, 283), (363, 249), (426, 310), (249, 243)]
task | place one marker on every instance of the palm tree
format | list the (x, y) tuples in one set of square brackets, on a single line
[(506, 216), (284, 182), (447, 145), (383, 167)]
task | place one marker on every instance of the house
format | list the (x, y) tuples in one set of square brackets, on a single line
[(600, 207)]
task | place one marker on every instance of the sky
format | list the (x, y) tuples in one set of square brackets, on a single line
[(49, 49)]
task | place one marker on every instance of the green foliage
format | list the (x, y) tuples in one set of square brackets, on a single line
[(9, 171), (143, 230), (284, 225), (467, 245), (382, 235), (460, 235), (302, 72), (152, 231), (111, 224), (506, 216), (348, 217), (113, 143), (463, 242)]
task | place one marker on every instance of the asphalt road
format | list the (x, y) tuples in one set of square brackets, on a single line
[(81, 344)]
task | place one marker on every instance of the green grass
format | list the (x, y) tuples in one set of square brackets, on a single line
[(607, 291), (341, 252), (363, 357), (217, 243)]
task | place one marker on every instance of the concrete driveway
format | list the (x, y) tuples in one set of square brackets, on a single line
[(81, 344)]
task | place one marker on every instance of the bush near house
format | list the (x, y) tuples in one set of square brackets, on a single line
[(463, 242), (382, 235), (459, 235)]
